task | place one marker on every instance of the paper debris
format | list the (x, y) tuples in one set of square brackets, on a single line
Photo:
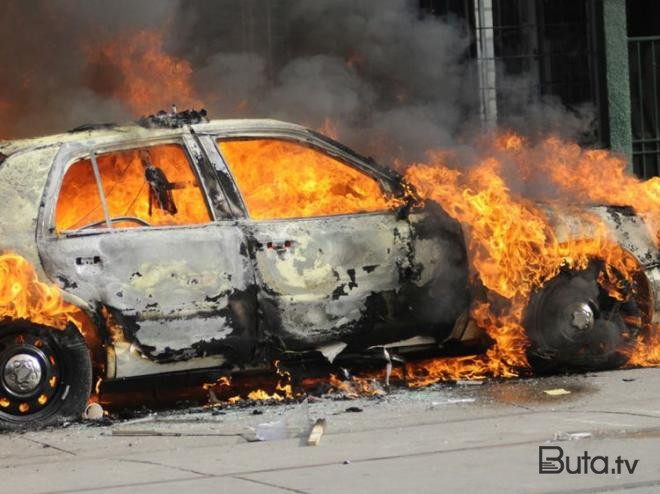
[(557, 392), (316, 433)]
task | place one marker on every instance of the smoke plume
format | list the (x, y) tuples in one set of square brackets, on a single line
[(388, 80)]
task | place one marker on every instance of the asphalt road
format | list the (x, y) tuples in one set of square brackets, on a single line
[(445, 439)]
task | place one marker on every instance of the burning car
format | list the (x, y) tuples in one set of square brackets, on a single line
[(177, 244)]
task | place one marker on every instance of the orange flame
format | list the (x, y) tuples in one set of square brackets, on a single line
[(24, 297), (594, 176), (115, 331), (512, 246), (329, 129), (355, 386), (313, 183), (224, 387), (222, 381), (146, 78), (646, 352), (127, 191)]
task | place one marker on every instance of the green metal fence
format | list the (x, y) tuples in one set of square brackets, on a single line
[(644, 64)]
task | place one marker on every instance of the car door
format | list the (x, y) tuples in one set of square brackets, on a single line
[(141, 229), (329, 252)]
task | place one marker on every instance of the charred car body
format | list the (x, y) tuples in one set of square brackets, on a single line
[(189, 248)]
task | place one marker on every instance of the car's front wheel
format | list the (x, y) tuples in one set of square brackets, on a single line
[(45, 375)]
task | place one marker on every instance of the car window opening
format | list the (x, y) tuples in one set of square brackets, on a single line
[(152, 186), (283, 179)]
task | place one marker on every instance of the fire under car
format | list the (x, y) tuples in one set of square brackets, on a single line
[(192, 245)]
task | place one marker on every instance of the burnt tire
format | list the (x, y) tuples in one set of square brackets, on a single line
[(574, 325), (45, 376)]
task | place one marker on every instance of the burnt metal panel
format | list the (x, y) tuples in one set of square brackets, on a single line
[(438, 290), (365, 278), (23, 177), (317, 275), (224, 178), (626, 229), (218, 200), (179, 292)]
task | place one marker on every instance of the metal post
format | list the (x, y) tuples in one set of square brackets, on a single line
[(617, 77), (483, 14)]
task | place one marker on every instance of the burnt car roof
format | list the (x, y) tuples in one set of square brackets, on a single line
[(108, 131), (104, 131)]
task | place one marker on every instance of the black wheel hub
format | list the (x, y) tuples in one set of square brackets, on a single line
[(29, 374)]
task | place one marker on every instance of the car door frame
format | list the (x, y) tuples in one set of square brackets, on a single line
[(220, 214), (273, 325)]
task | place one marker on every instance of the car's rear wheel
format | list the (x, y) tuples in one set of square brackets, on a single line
[(45, 375), (574, 324)]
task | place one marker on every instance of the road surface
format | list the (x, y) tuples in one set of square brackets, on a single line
[(444, 439)]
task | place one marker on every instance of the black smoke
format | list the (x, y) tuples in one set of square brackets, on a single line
[(393, 81)]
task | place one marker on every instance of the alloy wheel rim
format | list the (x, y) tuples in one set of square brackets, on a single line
[(29, 374)]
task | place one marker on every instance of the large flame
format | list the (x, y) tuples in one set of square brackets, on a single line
[(24, 298), (281, 179), (646, 352), (141, 73), (594, 176), (512, 247)]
